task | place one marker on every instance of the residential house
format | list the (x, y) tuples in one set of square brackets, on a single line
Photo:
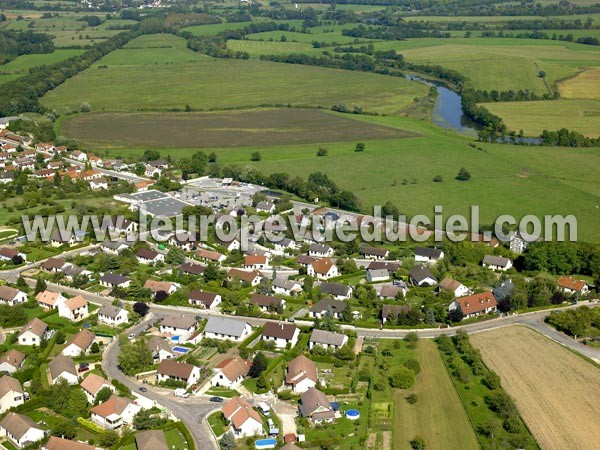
[(11, 254), (519, 241), (301, 374), (315, 405), (375, 253), (112, 315), (183, 326), (283, 334), (570, 286), (428, 255), (114, 280), (74, 309), (114, 247), (391, 291), (147, 256), (57, 443), (496, 262), (151, 440), (328, 307), (230, 245), (320, 251), (78, 155), (245, 421), (98, 183), (230, 372), (53, 264), (49, 300), (210, 255), (253, 278), (456, 287), (33, 333), (377, 275), (475, 305), (11, 361), (504, 290), (267, 303), (72, 271), (286, 287), (169, 369), (11, 393), (224, 328), (192, 269), (79, 344), (152, 171), (160, 286), (338, 291), (284, 244), (64, 237), (11, 296), (305, 260), (265, 207), (206, 300), (327, 339), (92, 384), (391, 312), (159, 348), (114, 412), (256, 262), (322, 269), (63, 368), (183, 240), (20, 430), (122, 225), (421, 276)]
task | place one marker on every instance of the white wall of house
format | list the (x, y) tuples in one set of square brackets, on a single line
[(10, 400)]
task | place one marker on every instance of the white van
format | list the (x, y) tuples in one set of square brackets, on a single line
[(181, 393)]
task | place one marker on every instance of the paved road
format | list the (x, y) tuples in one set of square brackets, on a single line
[(191, 411), (534, 320), (132, 178)]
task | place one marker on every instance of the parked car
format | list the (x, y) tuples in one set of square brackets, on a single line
[(131, 335), (143, 389), (216, 399), (83, 369)]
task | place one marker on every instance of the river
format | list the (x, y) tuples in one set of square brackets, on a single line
[(448, 113)]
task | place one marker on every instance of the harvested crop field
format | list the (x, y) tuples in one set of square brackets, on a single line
[(584, 85), (229, 129), (556, 391)]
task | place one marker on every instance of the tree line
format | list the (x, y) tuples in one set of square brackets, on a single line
[(23, 94), (16, 43)]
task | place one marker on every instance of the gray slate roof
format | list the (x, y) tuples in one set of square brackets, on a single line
[(223, 325)]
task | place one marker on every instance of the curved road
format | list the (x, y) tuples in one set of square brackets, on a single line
[(191, 411)]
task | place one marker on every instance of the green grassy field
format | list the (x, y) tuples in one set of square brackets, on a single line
[(21, 65), (534, 117), (152, 49), (221, 84), (438, 416), (257, 48), (500, 64), (229, 129), (505, 179)]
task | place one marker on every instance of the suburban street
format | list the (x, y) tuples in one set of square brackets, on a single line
[(191, 411)]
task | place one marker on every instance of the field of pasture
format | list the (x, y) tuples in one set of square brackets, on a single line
[(223, 84), (555, 390), (582, 115), (585, 84), (402, 170)]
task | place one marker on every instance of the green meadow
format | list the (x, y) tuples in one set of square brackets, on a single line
[(223, 84), (505, 179)]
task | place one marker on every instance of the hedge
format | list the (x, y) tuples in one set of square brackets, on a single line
[(90, 426)]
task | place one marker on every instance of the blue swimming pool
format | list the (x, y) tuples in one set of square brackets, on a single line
[(265, 443), (181, 349), (353, 414)]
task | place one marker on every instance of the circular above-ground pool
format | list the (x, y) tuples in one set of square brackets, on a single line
[(353, 414), (265, 443)]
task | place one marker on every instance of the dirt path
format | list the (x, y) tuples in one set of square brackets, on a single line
[(556, 392)]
